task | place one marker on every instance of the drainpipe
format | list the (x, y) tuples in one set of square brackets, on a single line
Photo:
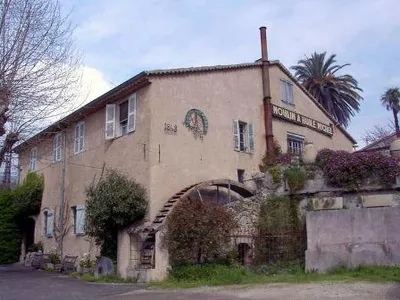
[(266, 93)]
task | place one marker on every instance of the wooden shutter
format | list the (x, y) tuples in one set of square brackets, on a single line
[(80, 219), (251, 137), (50, 223), (82, 136), (132, 104), (76, 148), (235, 130), (283, 91), (110, 121)]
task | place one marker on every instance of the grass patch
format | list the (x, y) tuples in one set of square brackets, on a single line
[(214, 275), (103, 279)]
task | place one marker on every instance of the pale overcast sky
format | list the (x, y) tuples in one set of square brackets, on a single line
[(120, 38)]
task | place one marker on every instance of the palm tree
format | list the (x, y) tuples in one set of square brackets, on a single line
[(338, 94), (391, 100)]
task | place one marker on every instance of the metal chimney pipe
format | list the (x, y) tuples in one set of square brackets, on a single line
[(269, 137), (263, 38)]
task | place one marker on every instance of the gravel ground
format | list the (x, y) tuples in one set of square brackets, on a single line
[(24, 284)]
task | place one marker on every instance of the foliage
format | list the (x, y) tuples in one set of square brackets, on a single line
[(198, 231), (113, 203), (36, 247), (54, 258), (105, 279), (352, 170), (10, 236), (86, 262), (281, 231), (276, 174), (277, 158), (338, 94), (213, 275), (391, 100), (28, 196), (296, 178)]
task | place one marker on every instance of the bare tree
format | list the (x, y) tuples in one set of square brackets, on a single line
[(39, 68), (378, 132), (61, 225)]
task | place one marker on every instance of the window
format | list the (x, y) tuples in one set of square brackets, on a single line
[(57, 147), (79, 219), (32, 160), (243, 136), (48, 221), (295, 143), (287, 92), (240, 175), (125, 114), (79, 137)]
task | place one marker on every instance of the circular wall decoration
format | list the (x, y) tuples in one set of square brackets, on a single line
[(196, 121)]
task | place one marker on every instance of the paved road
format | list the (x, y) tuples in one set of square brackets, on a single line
[(22, 284)]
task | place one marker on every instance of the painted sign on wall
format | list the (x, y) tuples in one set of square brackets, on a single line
[(301, 120)]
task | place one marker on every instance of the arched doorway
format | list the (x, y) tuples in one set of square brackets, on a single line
[(28, 236)]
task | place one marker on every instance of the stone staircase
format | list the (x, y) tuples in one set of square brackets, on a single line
[(148, 246)]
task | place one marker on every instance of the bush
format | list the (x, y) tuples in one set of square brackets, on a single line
[(351, 170), (10, 236), (296, 178), (199, 232), (113, 203), (276, 174)]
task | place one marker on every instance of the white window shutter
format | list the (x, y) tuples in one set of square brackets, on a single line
[(283, 91), (80, 219), (235, 129), (50, 223), (82, 136), (110, 121), (132, 105), (251, 137), (76, 150)]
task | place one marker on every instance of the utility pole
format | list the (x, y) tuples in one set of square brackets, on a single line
[(62, 192)]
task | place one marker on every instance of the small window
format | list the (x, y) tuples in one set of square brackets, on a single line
[(240, 175), (287, 92), (48, 221), (79, 137), (78, 213), (57, 147), (243, 136), (295, 144), (32, 159)]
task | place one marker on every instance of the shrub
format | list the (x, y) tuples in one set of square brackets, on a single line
[(276, 174), (282, 237), (36, 247), (351, 170), (199, 231), (296, 178), (113, 203), (10, 236)]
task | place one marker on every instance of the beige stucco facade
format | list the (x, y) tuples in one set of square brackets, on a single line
[(166, 163)]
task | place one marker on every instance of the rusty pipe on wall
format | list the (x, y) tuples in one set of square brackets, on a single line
[(266, 92)]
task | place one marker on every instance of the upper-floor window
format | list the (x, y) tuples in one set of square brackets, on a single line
[(295, 143), (58, 147), (121, 118), (287, 92), (48, 223), (32, 159), (243, 136), (79, 137)]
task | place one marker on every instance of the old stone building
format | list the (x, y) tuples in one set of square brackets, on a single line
[(171, 130)]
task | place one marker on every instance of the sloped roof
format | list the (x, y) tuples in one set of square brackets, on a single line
[(142, 79), (381, 144)]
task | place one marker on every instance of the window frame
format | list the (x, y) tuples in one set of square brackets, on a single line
[(79, 140), (293, 139), (78, 210), (243, 140), (33, 159), (58, 147), (287, 92)]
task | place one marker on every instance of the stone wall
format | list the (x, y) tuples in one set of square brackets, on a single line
[(352, 237)]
